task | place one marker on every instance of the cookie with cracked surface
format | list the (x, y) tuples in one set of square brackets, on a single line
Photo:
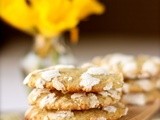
[(106, 113), (141, 99), (141, 85), (71, 79), (126, 64), (43, 98), (149, 66), (132, 67)]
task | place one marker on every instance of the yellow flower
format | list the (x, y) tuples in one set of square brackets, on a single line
[(48, 17), (53, 16), (17, 13), (84, 8)]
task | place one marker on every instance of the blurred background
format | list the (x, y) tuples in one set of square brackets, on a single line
[(127, 26)]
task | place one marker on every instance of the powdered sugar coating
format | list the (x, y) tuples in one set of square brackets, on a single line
[(93, 100), (135, 99), (40, 83), (49, 74), (97, 71), (77, 95), (126, 87), (59, 115), (108, 86), (29, 112), (115, 94), (35, 94), (104, 93), (57, 84), (119, 58), (145, 84), (50, 98), (129, 69), (149, 68), (110, 109), (68, 78), (156, 59), (28, 77), (112, 93), (87, 81)]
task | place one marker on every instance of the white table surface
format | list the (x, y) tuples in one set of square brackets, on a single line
[(13, 96)]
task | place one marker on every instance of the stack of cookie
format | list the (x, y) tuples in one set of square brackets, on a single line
[(141, 76), (70, 93)]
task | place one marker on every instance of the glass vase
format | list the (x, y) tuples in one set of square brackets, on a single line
[(47, 52)]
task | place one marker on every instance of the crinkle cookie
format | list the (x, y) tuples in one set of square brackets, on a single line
[(72, 101), (106, 113), (126, 64), (140, 99), (141, 85), (149, 66), (132, 67), (71, 79)]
